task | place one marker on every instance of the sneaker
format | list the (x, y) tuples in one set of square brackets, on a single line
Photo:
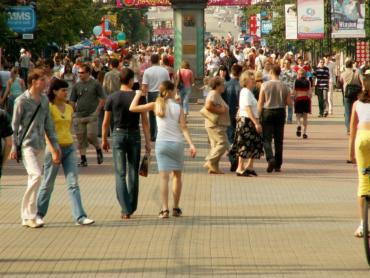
[(31, 223), (82, 163), (39, 220), (305, 136), (176, 212), (83, 221), (99, 156)]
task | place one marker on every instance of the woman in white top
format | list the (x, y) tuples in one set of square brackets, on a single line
[(360, 145), (169, 147), (248, 143)]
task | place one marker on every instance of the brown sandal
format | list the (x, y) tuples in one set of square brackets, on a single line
[(164, 213)]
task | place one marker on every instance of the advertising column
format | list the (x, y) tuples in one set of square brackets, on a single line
[(290, 22)]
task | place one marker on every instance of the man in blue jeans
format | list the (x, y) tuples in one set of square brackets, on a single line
[(152, 78), (126, 142), (274, 97)]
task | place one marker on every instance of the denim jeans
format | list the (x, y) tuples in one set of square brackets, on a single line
[(290, 111), (348, 103), (152, 96), (273, 121), (322, 97), (126, 152), (68, 161), (184, 95)]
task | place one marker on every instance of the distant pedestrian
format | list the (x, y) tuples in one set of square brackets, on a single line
[(152, 79), (322, 76), (302, 104), (185, 77), (169, 148), (273, 99), (33, 102), (126, 142), (61, 114), (87, 98)]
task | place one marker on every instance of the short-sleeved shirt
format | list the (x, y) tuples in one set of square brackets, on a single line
[(62, 122), (276, 93), (5, 131), (322, 76), (119, 103), (247, 99), (154, 76), (86, 95), (224, 118)]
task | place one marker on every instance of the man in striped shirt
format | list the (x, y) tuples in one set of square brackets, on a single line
[(322, 76)]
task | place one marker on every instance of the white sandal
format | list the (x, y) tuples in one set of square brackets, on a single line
[(359, 231)]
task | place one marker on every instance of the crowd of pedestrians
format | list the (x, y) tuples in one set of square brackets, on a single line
[(249, 96)]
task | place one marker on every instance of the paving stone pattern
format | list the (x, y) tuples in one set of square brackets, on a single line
[(297, 223)]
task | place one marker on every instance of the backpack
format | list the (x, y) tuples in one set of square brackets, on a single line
[(352, 90)]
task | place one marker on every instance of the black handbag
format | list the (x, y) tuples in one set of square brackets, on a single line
[(180, 84), (19, 145), (144, 166)]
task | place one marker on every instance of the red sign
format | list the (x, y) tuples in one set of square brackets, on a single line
[(362, 52), (163, 32), (253, 25), (148, 3)]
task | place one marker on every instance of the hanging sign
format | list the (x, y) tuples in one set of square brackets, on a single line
[(310, 19), (290, 22)]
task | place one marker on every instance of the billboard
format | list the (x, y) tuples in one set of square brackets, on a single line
[(290, 22), (310, 19), (21, 19), (148, 3), (362, 52), (348, 19)]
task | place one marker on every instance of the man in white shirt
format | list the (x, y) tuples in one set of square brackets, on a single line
[(152, 79)]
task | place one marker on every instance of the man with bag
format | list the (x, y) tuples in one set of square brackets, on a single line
[(352, 86)]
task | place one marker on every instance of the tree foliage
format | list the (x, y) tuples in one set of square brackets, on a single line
[(319, 47)]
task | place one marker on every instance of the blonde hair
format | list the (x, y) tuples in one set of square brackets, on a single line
[(165, 91), (245, 78)]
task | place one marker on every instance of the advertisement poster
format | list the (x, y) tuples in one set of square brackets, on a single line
[(310, 19), (362, 52), (290, 22), (348, 19), (148, 3), (253, 25)]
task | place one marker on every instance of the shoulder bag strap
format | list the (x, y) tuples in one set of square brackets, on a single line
[(29, 124)]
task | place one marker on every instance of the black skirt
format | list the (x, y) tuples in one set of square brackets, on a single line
[(302, 105), (248, 143)]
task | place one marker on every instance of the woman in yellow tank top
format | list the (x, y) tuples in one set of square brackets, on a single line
[(61, 113)]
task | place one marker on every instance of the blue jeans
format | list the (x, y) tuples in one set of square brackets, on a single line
[(126, 151), (184, 95), (152, 96), (348, 103), (290, 111), (68, 161)]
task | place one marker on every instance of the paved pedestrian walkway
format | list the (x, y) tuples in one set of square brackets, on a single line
[(297, 223)]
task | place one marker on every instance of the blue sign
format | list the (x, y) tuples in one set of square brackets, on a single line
[(266, 27), (22, 19)]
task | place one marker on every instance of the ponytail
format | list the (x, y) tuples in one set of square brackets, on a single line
[(164, 93)]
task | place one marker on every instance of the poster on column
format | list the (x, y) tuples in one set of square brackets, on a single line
[(310, 19), (348, 18), (290, 22)]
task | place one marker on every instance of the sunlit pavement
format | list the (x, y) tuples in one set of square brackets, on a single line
[(297, 223)]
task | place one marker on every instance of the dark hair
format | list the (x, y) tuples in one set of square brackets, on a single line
[(126, 75), (236, 70), (215, 82), (276, 70), (365, 94), (34, 75), (55, 85), (224, 68), (154, 59), (349, 64), (49, 63), (114, 63), (165, 60), (260, 51)]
